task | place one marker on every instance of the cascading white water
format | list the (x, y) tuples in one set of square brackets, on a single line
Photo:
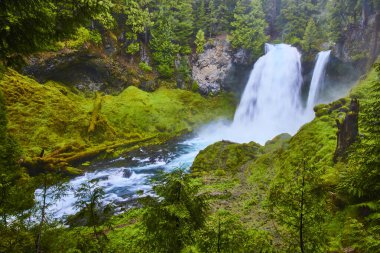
[(271, 102), (317, 82)]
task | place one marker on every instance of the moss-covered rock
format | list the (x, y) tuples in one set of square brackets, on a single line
[(226, 156)]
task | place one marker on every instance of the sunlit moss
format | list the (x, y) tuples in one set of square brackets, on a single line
[(58, 119)]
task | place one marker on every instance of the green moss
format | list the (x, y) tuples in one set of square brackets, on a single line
[(60, 120), (163, 111), (225, 155)]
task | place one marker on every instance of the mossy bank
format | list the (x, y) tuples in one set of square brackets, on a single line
[(73, 127)]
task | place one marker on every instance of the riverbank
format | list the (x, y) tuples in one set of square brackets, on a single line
[(71, 128)]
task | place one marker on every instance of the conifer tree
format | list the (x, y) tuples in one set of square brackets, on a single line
[(213, 18), (200, 14), (311, 37), (200, 42), (162, 43), (138, 21), (249, 27), (183, 24), (294, 16), (175, 214), (341, 13), (29, 26), (298, 205)]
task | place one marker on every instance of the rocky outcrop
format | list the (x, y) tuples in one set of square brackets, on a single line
[(359, 43), (225, 156), (88, 70), (348, 129), (215, 69)]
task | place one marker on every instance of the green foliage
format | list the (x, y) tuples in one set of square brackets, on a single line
[(183, 73), (200, 15), (200, 42), (183, 22), (298, 206), (225, 156), (226, 233), (249, 27), (359, 181), (295, 15), (175, 214), (213, 18), (138, 22), (92, 211), (81, 37), (52, 189), (145, 67), (133, 48), (26, 27), (310, 42), (162, 43), (341, 14)]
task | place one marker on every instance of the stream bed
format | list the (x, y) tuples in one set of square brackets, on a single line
[(126, 178)]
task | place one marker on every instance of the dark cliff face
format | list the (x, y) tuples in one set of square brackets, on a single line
[(360, 44), (88, 70)]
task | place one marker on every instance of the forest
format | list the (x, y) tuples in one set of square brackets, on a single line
[(90, 87)]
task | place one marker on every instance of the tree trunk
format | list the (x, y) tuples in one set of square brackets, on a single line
[(219, 237), (301, 210), (43, 214)]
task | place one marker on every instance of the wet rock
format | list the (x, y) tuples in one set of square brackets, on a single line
[(212, 66), (102, 178), (359, 43), (127, 173)]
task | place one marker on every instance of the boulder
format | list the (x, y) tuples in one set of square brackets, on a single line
[(220, 67)]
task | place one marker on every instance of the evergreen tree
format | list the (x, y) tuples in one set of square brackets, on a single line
[(200, 15), (175, 214), (89, 197), (341, 13), (213, 18), (162, 43), (224, 16), (138, 21), (249, 27), (53, 189), (29, 26), (16, 193), (311, 37), (294, 16), (184, 24), (298, 205), (200, 42), (272, 10), (226, 233)]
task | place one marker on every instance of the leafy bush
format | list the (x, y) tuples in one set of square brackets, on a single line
[(145, 67)]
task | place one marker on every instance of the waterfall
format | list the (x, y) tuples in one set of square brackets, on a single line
[(271, 102), (317, 82)]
